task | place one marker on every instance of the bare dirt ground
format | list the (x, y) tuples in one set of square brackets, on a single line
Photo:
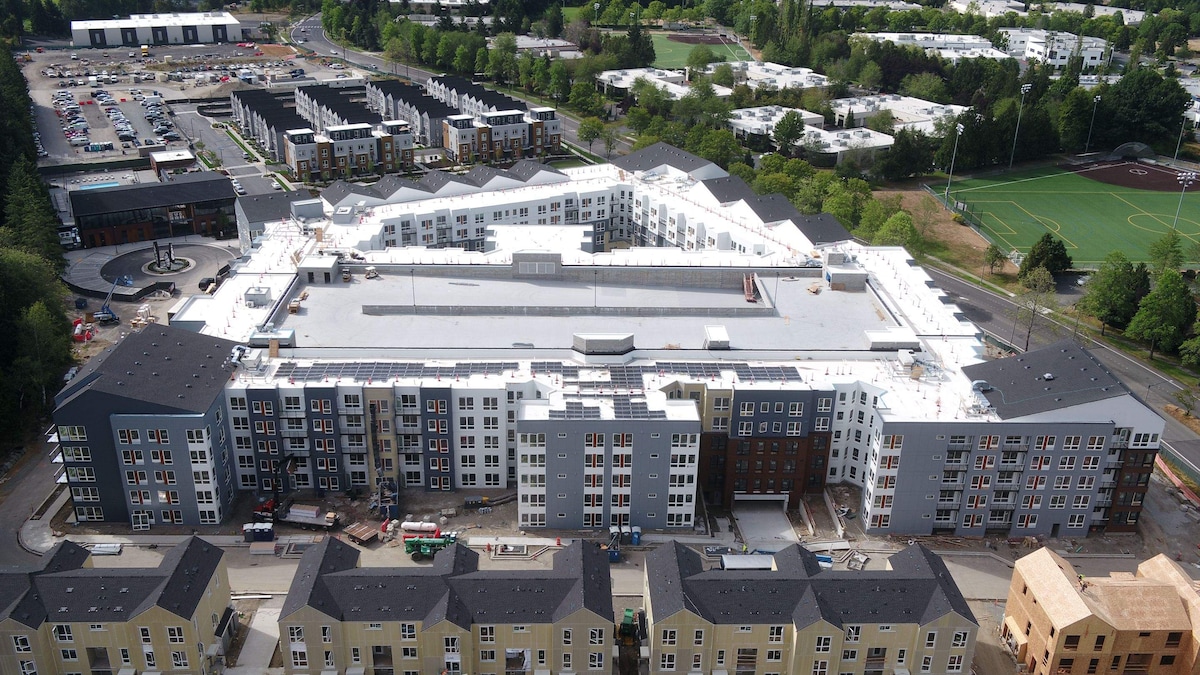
[(959, 244)]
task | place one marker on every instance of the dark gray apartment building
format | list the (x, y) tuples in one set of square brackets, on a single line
[(142, 431)]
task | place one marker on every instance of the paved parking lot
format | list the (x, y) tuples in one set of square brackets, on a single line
[(55, 70)]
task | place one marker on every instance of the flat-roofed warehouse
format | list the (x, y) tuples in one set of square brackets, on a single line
[(175, 28)]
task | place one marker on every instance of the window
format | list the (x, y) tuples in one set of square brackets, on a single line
[(775, 634), (1174, 638), (62, 633), (596, 636), (487, 654), (820, 668), (823, 644), (666, 661), (299, 658), (69, 654), (295, 633), (566, 637), (930, 639), (595, 660), (698, 638), (408, 631), (21, 644), (926, 664), (955, 664), (853, 633), (668, 637), (960, 639)]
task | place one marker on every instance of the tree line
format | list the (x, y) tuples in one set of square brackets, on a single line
[(35, 342)]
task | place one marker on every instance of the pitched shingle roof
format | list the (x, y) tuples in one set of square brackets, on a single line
[(917, 589), (452, 589), (171, 368), (271, 206), (63, 591), (658, 155), (1019, 385)]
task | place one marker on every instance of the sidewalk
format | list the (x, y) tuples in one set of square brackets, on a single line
[(37, 537), (261, 638)]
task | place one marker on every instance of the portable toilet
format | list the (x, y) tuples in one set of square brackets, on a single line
[(625, 532), (248, 532), (636, 537)]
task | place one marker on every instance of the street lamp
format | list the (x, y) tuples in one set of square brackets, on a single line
[(1095, 104), (1187, 106), (1024, 90), (1185, 179), (959, 129)]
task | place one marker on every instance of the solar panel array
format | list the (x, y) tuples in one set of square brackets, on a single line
[(624, 408), (555, 367), (385, 370), (620, 377), (769, 373)]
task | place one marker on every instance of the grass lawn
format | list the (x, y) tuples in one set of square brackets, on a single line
[(567, 163), (671, 54), (1092, 218), (570, 13)]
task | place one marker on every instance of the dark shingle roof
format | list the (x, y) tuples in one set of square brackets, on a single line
[(64, 591), (187, 188), (452, 589), (526, 169), (657, 155), (341, 103), (271, 206), (729, 189), (1019, 386), (172, 368), (821, 228), (917, 589)]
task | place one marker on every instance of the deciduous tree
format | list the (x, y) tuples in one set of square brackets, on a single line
[(1164, 316)]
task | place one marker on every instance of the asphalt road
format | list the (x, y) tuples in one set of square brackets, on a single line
[(23, 490), (321, 44), (995, 314)]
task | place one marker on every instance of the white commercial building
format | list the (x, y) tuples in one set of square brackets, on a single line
[(157, 29), (672, 82), (843, 144), (994, 8), (907, 112), (951, 47), (773, 75), (760, 122), (1056, 48)]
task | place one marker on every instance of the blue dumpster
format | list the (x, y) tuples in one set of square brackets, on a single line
[(636, 537), (614, 555)]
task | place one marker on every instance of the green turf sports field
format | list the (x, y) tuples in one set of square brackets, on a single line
[(671, 54), (1092, 218)]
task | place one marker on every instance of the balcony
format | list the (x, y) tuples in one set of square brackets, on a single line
[(949, 504), (292, 413), (1004, 506), (1113, 461), (953, 482), (956, 463)]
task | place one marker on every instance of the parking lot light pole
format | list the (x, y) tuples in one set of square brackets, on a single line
[(1020, 109), (1185, 179), (1095, 104), (958, 128)]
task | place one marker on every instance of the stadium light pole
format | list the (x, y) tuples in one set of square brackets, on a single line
[(1095, 104), (959, 129), (1021, 109), (1187, 106), (1185, 179)]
